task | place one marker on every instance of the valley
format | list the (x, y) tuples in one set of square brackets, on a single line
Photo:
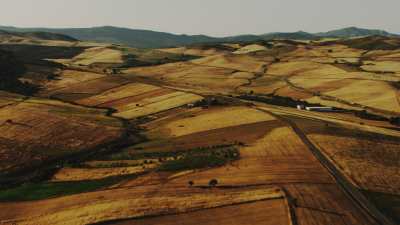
[(203, 133)]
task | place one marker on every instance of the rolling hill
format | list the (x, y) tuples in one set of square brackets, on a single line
[(152, 39), (201, 134)]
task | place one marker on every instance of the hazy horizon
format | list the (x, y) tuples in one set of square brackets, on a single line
[(213, 18)]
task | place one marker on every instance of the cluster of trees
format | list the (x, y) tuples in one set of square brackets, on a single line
[(396, 84), (211, 183), (369, 116), (276, 100), (395, 121), (366, 115)]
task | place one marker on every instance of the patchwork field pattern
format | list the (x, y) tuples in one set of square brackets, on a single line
[(205, 134)]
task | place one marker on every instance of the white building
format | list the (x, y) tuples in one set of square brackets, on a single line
[(320, 109), (301, 107)]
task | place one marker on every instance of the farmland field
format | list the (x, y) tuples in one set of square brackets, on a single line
[(201, 134), (34, 131)]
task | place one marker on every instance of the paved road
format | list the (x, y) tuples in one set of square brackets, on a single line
[(349, 189)]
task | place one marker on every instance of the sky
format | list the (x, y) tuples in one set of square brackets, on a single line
[(209, 17)]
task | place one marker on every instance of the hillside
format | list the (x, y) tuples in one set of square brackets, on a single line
[(11, 70), (152, 39), (372, 43), (37, 35)]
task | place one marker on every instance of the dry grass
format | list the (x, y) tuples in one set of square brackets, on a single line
[(264, 85), (67, 78), (92, 87), (130, 203), (319, 84), (98, 55), (371, 164), (215, 137), (373, 96), (214, 119), (250, 48), (331, 103), (382, 66), (39, 130), (288, 68), (270, 212), (156, 104), (194, 51), (195, 76), (81, 174), (293, 93), (383, 54), (129, 90), (278, 157), (330, 51), (236, 62), (325, 204)]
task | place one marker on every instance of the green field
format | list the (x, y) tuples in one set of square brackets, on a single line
[(45, 190)]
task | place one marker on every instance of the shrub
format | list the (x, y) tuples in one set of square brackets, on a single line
[(213, 183)]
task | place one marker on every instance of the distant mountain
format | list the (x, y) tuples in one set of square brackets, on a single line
[(241, 38), (300, 35), (153, 39), (134, 38), (354, 32)]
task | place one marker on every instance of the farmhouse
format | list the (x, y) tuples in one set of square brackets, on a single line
[(301, 107)]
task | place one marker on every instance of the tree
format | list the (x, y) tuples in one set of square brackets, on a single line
[(395, 121), (191, 183), (213, 183)]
